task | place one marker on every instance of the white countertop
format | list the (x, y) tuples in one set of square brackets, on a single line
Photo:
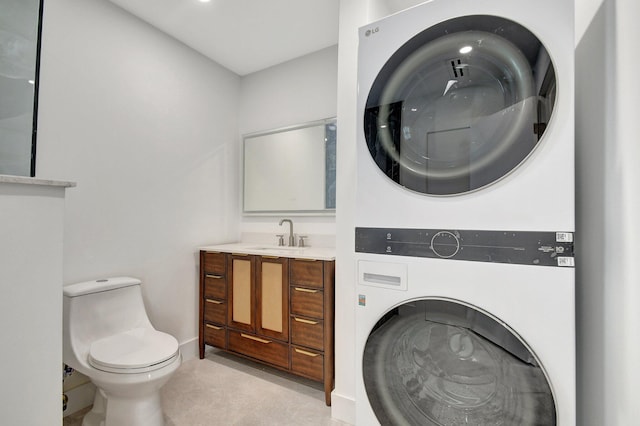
[(35, 181), (319, 253)]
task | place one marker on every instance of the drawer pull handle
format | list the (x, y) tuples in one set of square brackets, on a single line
[(306, 260), (270, 257), (217, 277), (213, 326), (305, 321), (300, 351), (257, 339), (240, 254), (217, 302), (305, 290)]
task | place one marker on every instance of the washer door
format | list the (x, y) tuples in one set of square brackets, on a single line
[(438, 362), (460, 105)]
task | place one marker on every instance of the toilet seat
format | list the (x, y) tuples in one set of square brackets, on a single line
[(134, 351)]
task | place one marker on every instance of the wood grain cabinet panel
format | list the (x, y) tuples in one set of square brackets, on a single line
[(256, 347), (214, 263), (307, 332), (307, 302), (307, 273), (215, 311), (215, 286), (307, 363), (215, 335)]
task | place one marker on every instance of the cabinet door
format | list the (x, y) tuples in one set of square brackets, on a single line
[(241, 296), (272, 294)]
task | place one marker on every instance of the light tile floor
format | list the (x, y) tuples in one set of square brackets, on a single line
[(226, 390)]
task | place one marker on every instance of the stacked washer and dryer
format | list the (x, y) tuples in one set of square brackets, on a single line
[(465, 215)]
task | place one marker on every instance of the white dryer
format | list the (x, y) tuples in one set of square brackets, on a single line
[(466, 116), (465, 215)]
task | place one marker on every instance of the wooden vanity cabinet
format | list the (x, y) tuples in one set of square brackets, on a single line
[(275, 310)]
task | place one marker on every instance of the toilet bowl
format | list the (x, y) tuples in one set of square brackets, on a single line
[(108, 337)]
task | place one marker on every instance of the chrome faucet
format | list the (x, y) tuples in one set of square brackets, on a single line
[(292, 240)]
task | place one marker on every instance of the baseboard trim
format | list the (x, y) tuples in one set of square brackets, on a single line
[(343, 408), (80, 397), (189, 349)]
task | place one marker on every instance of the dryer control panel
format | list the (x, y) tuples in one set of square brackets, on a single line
[(517, 247)]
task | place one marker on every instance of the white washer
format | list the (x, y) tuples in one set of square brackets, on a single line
[(487, 134), (409, 375), (465, 215)]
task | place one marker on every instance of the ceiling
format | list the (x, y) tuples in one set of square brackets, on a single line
[(244, 36)]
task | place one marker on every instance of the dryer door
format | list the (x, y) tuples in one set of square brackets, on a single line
[(460, 105), (439, 362)]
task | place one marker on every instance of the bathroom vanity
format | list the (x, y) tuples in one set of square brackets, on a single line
[(274, 305)]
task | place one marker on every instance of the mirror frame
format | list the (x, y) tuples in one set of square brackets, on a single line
[(277, 212)]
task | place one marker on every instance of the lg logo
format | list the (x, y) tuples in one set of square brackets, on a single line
[(371, 31)]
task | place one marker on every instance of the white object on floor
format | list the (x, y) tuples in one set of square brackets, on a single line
[(108, 337)]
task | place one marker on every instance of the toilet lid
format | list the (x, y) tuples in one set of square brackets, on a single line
[(139, 348)]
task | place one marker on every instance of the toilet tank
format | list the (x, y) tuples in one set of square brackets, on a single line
[(96, 309)]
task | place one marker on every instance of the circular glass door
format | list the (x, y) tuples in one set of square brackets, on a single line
[(460, 105), (438, 362)]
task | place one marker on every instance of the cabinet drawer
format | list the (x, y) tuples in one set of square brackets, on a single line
[(308, 302), (307, 332), (307, 273), (267, 350), (215, 336), (307, 363), (215, 286), (215, 311), (214, 263)]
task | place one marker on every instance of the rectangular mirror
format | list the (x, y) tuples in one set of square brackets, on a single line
[(291, 170), (20, 23)]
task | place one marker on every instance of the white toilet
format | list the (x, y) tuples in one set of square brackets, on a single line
[(108, 337)]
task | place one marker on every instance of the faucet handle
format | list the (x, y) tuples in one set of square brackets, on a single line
[(301, 240), (280, 239)]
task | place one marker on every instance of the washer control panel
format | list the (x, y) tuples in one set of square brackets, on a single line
[(517, 247)]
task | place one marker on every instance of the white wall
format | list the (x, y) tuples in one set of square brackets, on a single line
[(608, 178), (31, 219), (148, 129), (295, 92)]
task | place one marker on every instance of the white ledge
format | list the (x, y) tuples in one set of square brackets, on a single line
[(35, 181)]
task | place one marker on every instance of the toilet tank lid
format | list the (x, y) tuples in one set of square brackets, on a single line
[(96, 286)]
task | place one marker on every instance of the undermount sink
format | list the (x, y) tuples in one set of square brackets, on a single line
[(278, 248)]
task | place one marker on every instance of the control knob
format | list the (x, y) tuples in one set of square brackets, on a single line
[(445, 244)]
